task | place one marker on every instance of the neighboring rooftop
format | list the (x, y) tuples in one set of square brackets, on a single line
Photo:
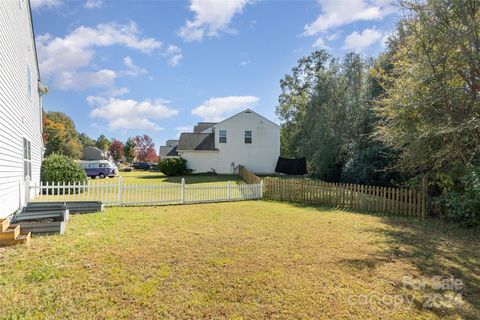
[(172, 143), (203, 126), (196, 141), (168, 151)]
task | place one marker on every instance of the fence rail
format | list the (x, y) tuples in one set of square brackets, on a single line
[(406, 202), (248, 176), (119, 193)]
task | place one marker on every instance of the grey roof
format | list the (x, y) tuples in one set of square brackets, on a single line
[(172, 143), (93, 148), (168, 151), (203, 126), (196, 141)]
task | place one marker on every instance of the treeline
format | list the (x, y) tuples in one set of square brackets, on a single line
[(61, 137), (409, 117)]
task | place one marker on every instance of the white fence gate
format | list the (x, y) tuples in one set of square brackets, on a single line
[(119, 193)]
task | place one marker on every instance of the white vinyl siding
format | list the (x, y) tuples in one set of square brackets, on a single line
[(260, 156), (20, 114)]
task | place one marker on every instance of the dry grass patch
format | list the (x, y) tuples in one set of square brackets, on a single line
[(245, 260)]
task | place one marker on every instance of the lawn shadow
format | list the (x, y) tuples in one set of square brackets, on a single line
[(441, 249), (318, 207), (433, 248)]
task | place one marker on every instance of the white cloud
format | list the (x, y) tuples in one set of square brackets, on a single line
[(89, 79), (216, 109), (333, 36), (93, 4), (174, 55), (132, 69), (320, 43), (45, 4), (386, 37), (124, 114), (336, 13), (65, 59), (360, 41), (211, 18)]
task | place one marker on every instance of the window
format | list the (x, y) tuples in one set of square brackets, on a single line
[(223, 136), (248, 136), (29, 81), (27, 158)]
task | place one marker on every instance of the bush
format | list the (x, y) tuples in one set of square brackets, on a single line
[(173, 166), (371, 166), (462, 203), (59, 168)]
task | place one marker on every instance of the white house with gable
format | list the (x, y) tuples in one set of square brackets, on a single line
[(246, 138), (21, 150)]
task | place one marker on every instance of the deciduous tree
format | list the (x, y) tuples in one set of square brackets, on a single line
[(129, 150), (145, 149), (60, 136), (102, 143), (116, 149)]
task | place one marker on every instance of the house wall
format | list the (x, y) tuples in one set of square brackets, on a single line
[(261, 156), (20, 113), (201, 161), (92, 153)]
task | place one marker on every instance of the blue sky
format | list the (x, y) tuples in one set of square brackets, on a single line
[(123, 68)]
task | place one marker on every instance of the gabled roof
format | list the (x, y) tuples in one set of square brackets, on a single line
[(93, 148), (168, 151), (171, 143), (196, 141), (248, 111), (203, 126)]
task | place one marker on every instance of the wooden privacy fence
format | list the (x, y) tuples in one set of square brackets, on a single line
[(248, 176), (119, 193), (406, 202)]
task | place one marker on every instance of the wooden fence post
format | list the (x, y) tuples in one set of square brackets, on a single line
[(261, 189)]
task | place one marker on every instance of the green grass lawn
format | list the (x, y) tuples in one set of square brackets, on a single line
[(243, 260), (146, 177)]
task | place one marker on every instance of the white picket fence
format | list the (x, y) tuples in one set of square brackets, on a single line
[(120, 193)]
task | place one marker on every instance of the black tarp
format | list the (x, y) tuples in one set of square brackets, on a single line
[(291, 166)]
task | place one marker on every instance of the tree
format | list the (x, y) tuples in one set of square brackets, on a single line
[(60, 135), (430, 107), (102, 143), (326, 110), (145, 149), (130, 150), (86, 141), (116, 149)]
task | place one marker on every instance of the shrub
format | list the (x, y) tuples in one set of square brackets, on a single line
[(59, 168), (462, 203), (173, 166), (371, 166)]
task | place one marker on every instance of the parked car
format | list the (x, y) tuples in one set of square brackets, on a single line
[(143, 165), (99, 168)]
